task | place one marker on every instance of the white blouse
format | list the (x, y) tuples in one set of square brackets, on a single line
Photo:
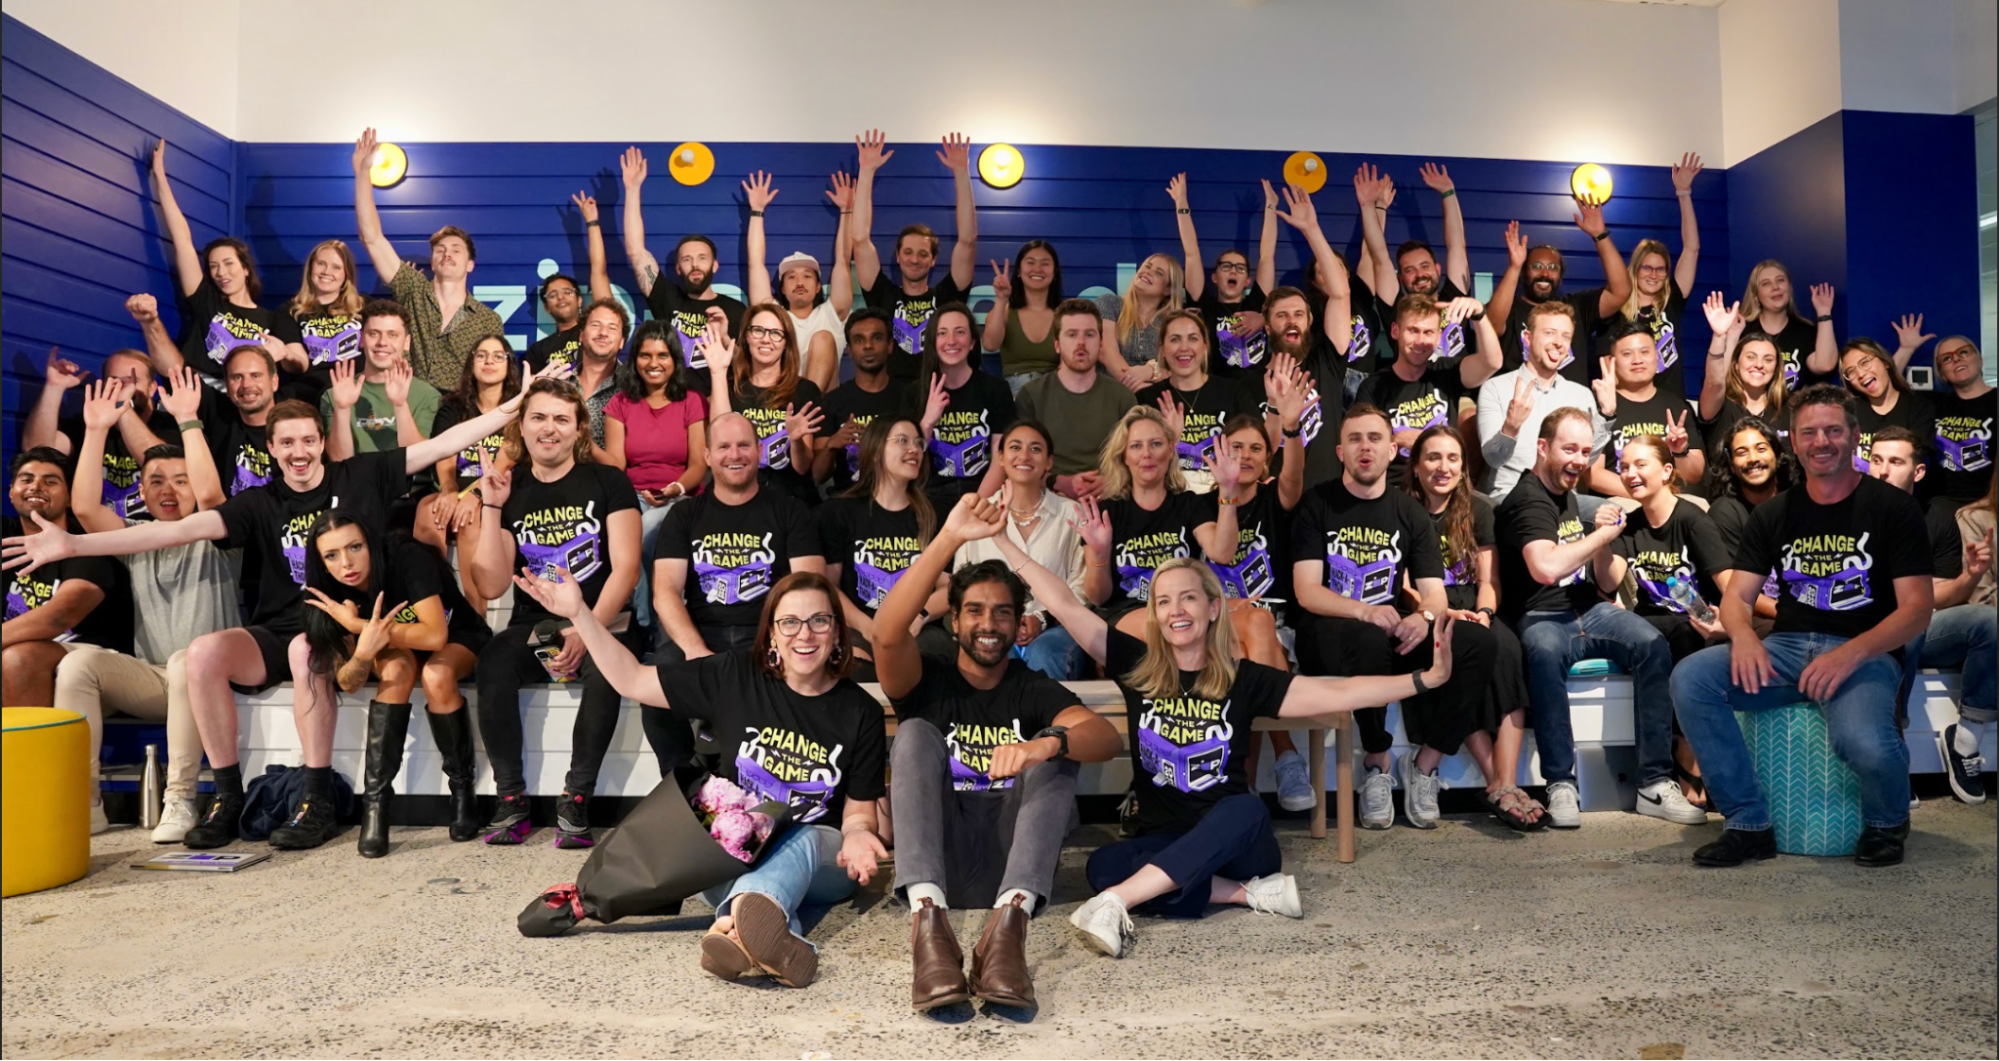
[(1054, 545)]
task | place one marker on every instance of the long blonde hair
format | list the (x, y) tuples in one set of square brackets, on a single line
[(1158, 674), (1128, 322), (1110, 463), (345, 304), (1646, 248), (1752, 307)]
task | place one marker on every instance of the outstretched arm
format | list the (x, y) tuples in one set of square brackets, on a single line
[(1690, 228), (956, 154), (1616, 277), (1725, 321), (101, 402), (1266, 247), (160, 346), (1302, 215), (369, 223), (1457, 263), (840, 279), (756, 269), (593, 237), (1318, 697), (1190, 242), (1909, 338), (898, 666), (1500, 306), (632, 171), (1824, 358), (1048, 588), (30, 551), (867, 260), (187, 259), (1367, 182)]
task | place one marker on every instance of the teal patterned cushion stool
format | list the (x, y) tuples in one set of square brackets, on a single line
[(1814, 799)]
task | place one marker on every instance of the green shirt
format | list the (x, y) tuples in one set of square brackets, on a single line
[(1079, 422), (375, 419)]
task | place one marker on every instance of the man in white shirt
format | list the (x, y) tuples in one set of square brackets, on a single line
[(1512, 404)]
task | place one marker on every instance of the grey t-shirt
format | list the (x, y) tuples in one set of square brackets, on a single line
[(1078, 422), (180, 593)]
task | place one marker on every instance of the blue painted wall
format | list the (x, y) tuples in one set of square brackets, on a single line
[(78, 233), (1912, 221), (1788, 202)]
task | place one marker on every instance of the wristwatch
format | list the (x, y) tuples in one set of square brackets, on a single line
[(1061, 735)]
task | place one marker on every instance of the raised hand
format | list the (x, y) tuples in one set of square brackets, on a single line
[(715, 344), (1822, 299), (586, 204), (496, 483), (1286, 388), (62, 373), (975, 518), (1094, 526), (1298, 210), (560, 595), (849, 433), (157, 164), (934, 404), (364, 151), (182, 396), (1437, 178), (344, 612), (346, 385), (1589, 215), (873, 148), (1224, 467), (843, 191), (956, 153), (632, 168), (1516, 245), (1722, 315), (1175, 413), (1269, 197), (1367, 185), (1605, 386), (144, 308), (104, 403), (758, 191), (1684, 173), (1002, 284), (1676, 432), (1909, 334), (397, 383), (1176, 190), (1459, 310), (1385, 198), (30, 551), (804, 421)]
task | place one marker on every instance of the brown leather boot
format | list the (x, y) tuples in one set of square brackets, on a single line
[(999, 962), (939, 978)]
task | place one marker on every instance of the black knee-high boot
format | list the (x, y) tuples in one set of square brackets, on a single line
[(388, 725), (453, 734)]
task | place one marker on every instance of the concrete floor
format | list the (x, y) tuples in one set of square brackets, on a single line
[(1470, 941)]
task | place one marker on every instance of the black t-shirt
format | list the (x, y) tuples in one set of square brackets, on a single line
[(241, 454), (1665, 329), (961, 445), (1729, 515), (1461, 572), (270, 523), (121, 465), (1262, 565), (690, 318), (329, 339), (564, 524), (1961, 464), (1425, 403), (1912, 411), (465, 463), (558, 348), (1233, 350), (1531, 514), (1206, 409), (1453, 342), (1589, 322), (1946, 541), (848, 399), (774, 468), (415, 574), (211, 327), (108, 625), (1688, 545), (1648, 417), (976, 721), (1837, 563), (1188, 751), (1141, 540), (735, 553), (1719, 431), (1369, 347), (1795, 344), (1368, 544), (912, 315), (1325, 405), (811, 752), (872, 545)]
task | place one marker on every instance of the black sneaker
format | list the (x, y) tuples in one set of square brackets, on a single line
[(1881, 847), (312, 824), (218, 828), (572, 821), (1963, 770), (510, 821), (1737, 846)]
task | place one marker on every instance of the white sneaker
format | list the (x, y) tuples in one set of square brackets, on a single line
[(175, 820), (1419, 793), (98, 822), (1275, 894), (1104, 923), (1377, 801), (1294, 782), (1663, 799), (1565, 807)]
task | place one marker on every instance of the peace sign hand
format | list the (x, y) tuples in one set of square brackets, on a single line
[(938, 400), (372, 638), (1522, 404), (586, 204), (496, 484), (1002, 285), (1676, 433), (1605, 386)]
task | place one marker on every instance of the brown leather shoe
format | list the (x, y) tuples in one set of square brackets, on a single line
[(765, 932), (999, 962), (939, 977)]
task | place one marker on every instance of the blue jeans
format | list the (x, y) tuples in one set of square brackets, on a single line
[(1860, 719), (802, 870), (1966, 637), (1555, 641), (650, 518), (1054, 653)]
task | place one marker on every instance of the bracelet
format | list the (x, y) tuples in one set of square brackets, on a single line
[(1226, 501), (756, 213), (593, 223), (1183, 210), (190, 425), (1093, 563), (1293, 432), (1822, 318), (1417, 677), (1687, 193), (1488, 613), (484, 504), (1475, 316), (1601, 236), (1447, 193)]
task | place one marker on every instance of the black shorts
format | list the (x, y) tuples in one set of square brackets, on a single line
[(275, 647), (473, 637)]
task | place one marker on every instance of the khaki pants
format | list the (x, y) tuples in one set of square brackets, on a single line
[(92, 680)]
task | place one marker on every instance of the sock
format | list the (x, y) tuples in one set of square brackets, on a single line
[(1006, 898), (319, 780), (926, 890), (1966, 740), (229, 781)]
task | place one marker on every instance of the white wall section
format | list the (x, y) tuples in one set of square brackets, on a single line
[(184, 53)]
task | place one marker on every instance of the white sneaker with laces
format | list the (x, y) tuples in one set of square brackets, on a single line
[(1275, 894), (1663, 799), (1419, 793), (1104, 923), (1294, 782), (1565, 807), (1377, 801), (176, 819)]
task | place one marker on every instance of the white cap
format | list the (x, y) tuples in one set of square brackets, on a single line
[(795, 259)]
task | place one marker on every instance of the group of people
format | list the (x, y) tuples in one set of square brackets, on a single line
[(731, 514)]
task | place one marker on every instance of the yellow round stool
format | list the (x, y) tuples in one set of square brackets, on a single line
[(44, 799)]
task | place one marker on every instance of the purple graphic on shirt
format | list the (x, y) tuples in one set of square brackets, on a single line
[(121, 487), (733, 568), (1312, 418), (560, 537), (1362, 343), (1450, 342), (253, 469), (960, 445), (776, 448), (1964, 445), (778, 765), (467, 464), (1421, 413), (17, 604), (1459, 571), (1138, 558), (1250, 575), (1240, 349), (692, 324), (1198, 765), (1363, 573), (878, 564), (910, 319), (330, 340), (1667, 340), (971, 754), (1821, 572), (1197, 441), (1652, 575), (226, 332)]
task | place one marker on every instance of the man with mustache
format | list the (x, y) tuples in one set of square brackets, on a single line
[(1546, 594), (1512, 405), (562, 299), (141, 426), (870, 335), (1545, 268), (1414, 271), (688, 300), (983, 771), (912, 298), (1854, 559), (1751, 466), (1419, 389)]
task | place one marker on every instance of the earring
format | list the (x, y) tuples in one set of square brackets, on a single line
[(833, 657), (772, 655)]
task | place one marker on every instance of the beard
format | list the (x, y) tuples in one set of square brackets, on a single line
[(980, 655)]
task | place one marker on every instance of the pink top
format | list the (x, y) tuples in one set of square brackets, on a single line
[(656, 439)]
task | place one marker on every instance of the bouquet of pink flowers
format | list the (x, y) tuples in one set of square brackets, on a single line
[(731, 817)]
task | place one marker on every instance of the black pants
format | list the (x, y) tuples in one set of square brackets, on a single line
[(1233, 841), (672, 740), (507, 664), (1440, 718)]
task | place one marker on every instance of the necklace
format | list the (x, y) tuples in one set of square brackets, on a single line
[(1019, 520)]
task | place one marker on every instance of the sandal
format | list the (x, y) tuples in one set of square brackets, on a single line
[(1691, 786), (724, 957), (1515, 808)]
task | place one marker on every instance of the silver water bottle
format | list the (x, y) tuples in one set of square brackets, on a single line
[(152, 792)]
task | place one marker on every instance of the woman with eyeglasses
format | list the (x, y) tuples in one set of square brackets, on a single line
[(874, 531), (794, 729), (759, 377), (1966, 409), (1659, 284), (491, 375), (1884, 398)]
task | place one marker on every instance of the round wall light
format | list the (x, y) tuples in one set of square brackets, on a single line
[(390, 166), (1001, 166), (1306, 170), (691, 163), (1590, 181)]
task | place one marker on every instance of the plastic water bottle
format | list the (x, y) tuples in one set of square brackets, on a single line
[(1688, 600)]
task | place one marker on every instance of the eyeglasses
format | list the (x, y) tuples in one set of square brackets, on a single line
[(790, 625), (758, 331), (1551, 268), (1653, 270), (1233, 267), (1956, 353), (904, 440)]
